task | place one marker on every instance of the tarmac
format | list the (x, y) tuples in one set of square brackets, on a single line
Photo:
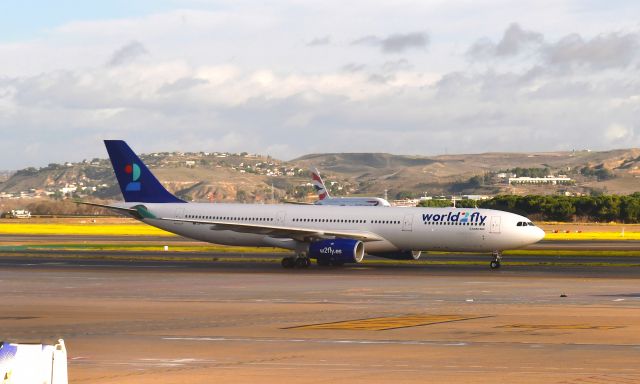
[(233, 321)]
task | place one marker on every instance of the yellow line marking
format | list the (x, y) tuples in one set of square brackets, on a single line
[(560, 326), (386, 323)]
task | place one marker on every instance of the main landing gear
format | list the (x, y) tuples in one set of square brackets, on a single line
[(298, 261), (495, 263)]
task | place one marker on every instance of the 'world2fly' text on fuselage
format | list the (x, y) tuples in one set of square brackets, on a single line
[(331, 235)]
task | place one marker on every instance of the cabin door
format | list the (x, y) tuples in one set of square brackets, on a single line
[(280, 217), (179, 215), (495, 224), (407, 223)]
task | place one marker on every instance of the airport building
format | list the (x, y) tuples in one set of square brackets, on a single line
[(561, 179)]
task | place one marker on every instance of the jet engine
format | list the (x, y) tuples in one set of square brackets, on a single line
[(337, 251), (399, 255)]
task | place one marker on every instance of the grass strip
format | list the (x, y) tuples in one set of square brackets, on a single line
[(83, 229), (593, 236)]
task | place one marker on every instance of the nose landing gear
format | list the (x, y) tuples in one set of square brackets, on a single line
[(495, 263)]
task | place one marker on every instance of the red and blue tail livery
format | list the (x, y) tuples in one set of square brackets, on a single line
[(318, 185), (136, 182), (325, 199)]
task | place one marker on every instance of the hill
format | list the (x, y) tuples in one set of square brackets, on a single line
[(376, 172), (220, 176)]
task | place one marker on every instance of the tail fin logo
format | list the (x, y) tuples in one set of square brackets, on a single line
[(134, 185), (318, 184)]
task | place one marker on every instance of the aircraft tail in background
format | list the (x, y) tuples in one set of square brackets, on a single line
[(318, 185)]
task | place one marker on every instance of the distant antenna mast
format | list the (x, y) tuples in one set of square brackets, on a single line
[(273, 194)]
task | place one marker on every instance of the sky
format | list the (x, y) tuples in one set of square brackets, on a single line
[(288, 78)]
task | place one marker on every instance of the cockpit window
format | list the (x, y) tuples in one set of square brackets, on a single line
[(519, 224), (531, 224), (525, 224)]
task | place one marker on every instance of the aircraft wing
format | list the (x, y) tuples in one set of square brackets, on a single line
[(138, 211), (297, 233)]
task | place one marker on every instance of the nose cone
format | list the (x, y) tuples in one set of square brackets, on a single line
[(538, 235)]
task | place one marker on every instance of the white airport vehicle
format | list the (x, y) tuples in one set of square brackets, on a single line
[(332, 235), (33, 363), (19, 214), (325, 199)]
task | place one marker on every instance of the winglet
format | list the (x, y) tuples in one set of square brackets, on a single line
[(136, 181)]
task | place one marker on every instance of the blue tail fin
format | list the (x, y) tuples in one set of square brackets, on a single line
[(137, 183)]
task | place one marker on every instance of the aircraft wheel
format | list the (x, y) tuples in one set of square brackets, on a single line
[(288, 262), (302, 262), (495, 264)]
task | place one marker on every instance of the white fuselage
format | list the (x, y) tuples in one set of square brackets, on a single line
[(447, 229)]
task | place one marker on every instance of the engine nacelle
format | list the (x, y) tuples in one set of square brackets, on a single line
[(399, 255), (337, 251)]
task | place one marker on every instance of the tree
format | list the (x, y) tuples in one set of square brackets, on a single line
[(630, 208), (435, 203), (404, 195), (241, 196)]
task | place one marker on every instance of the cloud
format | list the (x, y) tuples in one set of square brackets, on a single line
[(381, 79), (396, 65), (617, 133), (396, 43), (353, 67), (396, 112), (182, 84), (514, 41), (127, 54), (609, 50), (237, 78), (318, 41)]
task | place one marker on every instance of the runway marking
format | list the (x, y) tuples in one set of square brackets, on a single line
[(561, 326), (18, 317), (610, 373), (320, 341), (387, 323)]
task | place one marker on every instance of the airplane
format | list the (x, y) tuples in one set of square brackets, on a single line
[(332, 235), (325, 199)]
